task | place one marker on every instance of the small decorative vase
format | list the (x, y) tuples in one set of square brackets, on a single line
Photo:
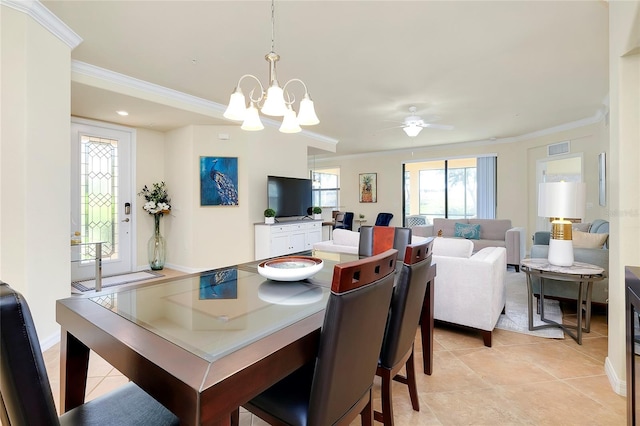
[(157, 247)]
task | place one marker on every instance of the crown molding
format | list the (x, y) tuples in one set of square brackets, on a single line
[(131, 83), (46, 19)]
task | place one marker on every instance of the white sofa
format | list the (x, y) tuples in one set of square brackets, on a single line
[(345, 241), (493, 233), (470, 290)]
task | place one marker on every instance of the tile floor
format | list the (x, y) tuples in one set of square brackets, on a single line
[(521, 380)]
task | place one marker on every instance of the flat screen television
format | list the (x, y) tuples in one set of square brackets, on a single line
[(289, 196)]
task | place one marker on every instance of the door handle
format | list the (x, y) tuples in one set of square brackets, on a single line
[(125, 220)]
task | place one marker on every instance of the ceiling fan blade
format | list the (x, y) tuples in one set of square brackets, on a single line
[(438, 126), (389, 128)]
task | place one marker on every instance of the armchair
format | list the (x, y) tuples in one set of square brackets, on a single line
[(470, 290)]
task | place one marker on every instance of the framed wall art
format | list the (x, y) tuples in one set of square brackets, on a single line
[(368, 188), (218, 181)]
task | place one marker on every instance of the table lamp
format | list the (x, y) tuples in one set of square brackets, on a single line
[(559, 201)]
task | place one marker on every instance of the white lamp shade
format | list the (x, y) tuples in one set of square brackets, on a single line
[(289, 122), (307, 115), (562, 199), (274, 103), (412, 130), (236, 110), (252, 119)]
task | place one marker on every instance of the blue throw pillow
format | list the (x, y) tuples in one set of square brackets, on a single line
[(468, 231)]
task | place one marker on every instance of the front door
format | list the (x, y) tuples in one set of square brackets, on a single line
[(101, 197)]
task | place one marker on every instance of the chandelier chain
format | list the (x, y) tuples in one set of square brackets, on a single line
[(273, 24)]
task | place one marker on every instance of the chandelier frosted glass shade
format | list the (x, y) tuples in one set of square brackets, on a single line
[(307, 115), (237, 108), (289, 123), (274, 104), (252, 119)]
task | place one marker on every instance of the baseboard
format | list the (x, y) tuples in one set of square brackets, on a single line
[(50, 341), (618, 385)]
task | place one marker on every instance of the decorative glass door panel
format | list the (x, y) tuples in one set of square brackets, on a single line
[(98, 192), (100, 189)]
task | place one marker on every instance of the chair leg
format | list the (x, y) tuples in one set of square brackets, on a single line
[(386, 416), (411, 383), (366, 415)]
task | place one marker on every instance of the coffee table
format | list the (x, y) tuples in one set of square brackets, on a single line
[(581, 273)]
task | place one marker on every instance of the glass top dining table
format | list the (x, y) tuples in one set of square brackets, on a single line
[(217, 312), (201, 344)]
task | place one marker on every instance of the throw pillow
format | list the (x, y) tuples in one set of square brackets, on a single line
[(588, 240), (468, 231)]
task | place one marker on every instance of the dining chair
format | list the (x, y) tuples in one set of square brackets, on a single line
[(399, 335), (383, 219), (376, 239), (336, 387), (347, 222), (25, 392)]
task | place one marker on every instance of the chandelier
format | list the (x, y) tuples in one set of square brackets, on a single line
[(276, 101)]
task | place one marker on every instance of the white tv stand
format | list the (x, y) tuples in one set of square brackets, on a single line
[(284, 238)]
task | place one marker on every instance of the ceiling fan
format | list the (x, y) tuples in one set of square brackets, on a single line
[(413, 124)]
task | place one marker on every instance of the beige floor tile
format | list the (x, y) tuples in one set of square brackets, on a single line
[(598, 388), (498, 366), (555, 402), (558, 359)]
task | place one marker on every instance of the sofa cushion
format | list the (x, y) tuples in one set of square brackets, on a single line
[(466, 230), (588, 240), (452, 247), (492, 229)]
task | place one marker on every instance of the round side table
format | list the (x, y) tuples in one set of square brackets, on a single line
[(581, 273)]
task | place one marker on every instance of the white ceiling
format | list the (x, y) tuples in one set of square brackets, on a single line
[(492, 69)]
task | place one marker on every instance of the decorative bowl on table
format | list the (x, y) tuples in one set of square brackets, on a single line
[(290, 268)]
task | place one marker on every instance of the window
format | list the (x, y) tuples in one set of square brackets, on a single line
[(326, 188), (456, 188)]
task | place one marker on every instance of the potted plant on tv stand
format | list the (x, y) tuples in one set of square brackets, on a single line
[(317, 213), (269, 216)]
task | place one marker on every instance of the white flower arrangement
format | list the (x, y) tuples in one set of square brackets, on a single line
[(157, 200)]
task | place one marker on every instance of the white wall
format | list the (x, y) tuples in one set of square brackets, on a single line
[(206, 237), (34, 166), (624, 75)]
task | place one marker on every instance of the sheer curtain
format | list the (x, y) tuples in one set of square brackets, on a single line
[(486, 179)]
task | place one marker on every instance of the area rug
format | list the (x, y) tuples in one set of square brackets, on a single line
[(516, 313), (110, 281)]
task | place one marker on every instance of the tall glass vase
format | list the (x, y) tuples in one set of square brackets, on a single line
[(157, 247)]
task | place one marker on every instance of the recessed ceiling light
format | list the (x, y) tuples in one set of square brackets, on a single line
[(122, 113)]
